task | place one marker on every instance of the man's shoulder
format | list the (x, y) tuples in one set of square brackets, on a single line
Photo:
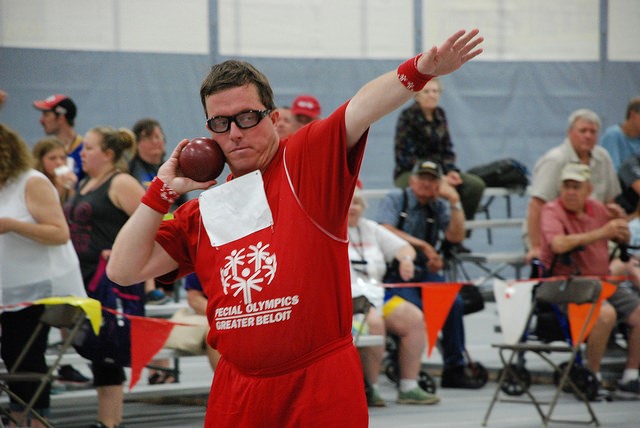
[(553, 157), (395, 194), (369, 224), (76, 145), (553, 206), (601, 154), (611, 134)]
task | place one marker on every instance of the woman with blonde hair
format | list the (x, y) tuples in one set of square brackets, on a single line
[(105, 199), (37, 261), (51, 159)]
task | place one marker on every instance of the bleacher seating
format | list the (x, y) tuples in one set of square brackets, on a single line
[(492, 264)]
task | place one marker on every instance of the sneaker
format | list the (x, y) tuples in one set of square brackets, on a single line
[(459, 377), (417, 396), (156, 297), (374, 399), (67, 373), (629, 388)]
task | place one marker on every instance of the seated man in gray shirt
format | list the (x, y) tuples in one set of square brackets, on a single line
[(580, 146)]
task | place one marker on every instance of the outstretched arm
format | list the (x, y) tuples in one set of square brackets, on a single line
[(386, 93)]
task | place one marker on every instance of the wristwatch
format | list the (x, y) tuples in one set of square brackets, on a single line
[(457, 206)]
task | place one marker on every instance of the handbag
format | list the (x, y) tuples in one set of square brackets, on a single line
[(192, 338), (112, 345)]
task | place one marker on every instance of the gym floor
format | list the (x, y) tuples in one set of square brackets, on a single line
[(458, 408)]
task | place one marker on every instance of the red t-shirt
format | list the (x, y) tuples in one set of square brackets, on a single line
[(279, 299), (594, 258)]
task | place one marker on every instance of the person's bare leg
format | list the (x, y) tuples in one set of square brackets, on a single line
[(599, 336), (633, 340), (371, 356), (18, 416), (407, 323), (110, 404)]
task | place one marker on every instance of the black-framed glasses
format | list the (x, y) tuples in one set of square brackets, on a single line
[(245, 120)]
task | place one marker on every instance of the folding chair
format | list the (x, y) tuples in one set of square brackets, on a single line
[(55, 315), (455, 270), (361, 305), (557, 292)]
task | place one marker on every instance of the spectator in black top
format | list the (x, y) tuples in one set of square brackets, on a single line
[(422, 133)]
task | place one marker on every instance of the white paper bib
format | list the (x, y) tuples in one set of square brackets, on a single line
[(235, 209)]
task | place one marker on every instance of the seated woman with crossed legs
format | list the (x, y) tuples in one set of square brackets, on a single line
[(371, 247)]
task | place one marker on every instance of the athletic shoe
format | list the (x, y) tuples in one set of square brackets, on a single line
[(374, 399), (67, 373), (459, 377), (629, 388), (417, 396), (156, 297)]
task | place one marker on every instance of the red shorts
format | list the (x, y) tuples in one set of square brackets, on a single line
[(328, 392)]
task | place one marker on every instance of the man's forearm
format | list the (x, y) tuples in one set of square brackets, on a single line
[(564, 243), (455, 232), (533, 221)]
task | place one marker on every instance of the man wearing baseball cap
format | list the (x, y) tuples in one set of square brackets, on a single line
[(422, 214), (305, 109), (58, 118), (575, 234)]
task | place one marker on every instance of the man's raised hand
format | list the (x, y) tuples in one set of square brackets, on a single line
[(452, 54)]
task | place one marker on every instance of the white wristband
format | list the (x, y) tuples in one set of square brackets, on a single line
[(457, 206)]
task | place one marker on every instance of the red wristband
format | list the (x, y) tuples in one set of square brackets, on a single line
[(410, 77), (159, 196)]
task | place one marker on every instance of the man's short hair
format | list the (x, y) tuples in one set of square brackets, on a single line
[(586, 115), (233, 74), (634, 105)]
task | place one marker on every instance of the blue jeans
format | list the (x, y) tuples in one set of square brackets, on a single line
[(452, 340)]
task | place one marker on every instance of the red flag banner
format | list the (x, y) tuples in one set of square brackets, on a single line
[(437, 298), (578, 313), (148, 336)]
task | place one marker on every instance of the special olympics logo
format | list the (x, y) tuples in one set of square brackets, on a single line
[(247, 270)]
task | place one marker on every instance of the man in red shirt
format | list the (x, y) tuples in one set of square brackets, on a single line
[(305, 109), (270, 246), (575, 234)]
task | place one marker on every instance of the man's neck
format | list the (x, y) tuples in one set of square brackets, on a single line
[(583, 156), (151, 160), (68, 137)]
